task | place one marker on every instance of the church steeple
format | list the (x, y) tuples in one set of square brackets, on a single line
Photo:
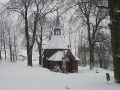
[(57, 29)]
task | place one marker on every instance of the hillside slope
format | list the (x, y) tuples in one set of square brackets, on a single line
[(19, 76)]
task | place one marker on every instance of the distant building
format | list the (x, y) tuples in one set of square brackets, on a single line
[(57, 52)]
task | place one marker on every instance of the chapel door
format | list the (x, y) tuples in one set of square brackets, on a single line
[(68, 66)]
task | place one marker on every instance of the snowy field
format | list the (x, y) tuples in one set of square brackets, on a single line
[(19, 76)]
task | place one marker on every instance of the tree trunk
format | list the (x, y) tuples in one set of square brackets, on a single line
[(40, 57), (30, 58), (91, 46), (91, 57), (15, 48), (115, 36), (84, 55), (29, 52), (10, 47), (1, 40), (0, 55), (1, 35), (40, 46), (10, 44), (4, 43), (100, 55)]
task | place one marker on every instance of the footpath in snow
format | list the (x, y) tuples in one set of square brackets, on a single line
[(19, 76)]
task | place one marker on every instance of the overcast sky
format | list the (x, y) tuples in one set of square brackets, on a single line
[(3, 1)]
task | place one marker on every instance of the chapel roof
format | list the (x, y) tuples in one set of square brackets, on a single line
[(57, 56), (56, 42)]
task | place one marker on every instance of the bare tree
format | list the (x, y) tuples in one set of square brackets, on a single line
[(32, 11), (7, 36), (23, 7), (91, 12), (3, 41), (10, 43), (82, 46), (1, 34), (15, 45), (103, 50)]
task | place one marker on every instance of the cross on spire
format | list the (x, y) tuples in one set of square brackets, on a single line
[(68, 46)]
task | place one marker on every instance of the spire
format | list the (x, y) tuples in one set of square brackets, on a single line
[(57, 29), (57, 21)]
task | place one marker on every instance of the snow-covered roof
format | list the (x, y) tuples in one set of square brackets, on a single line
[(57, 42), (76, 58), (57, 56)]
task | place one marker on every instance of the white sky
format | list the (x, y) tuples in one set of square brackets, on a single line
[(4, 1)]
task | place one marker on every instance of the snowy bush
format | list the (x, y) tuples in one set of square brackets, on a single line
[(57, 68)]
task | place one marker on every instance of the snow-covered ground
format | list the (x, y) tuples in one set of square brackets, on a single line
[(19, 76)]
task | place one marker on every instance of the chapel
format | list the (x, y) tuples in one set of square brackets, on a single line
[(58, 53)]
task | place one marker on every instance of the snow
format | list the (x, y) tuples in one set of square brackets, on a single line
[(118, 11), (57, 42), (76, 58), (57, 56), (19, 76)]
